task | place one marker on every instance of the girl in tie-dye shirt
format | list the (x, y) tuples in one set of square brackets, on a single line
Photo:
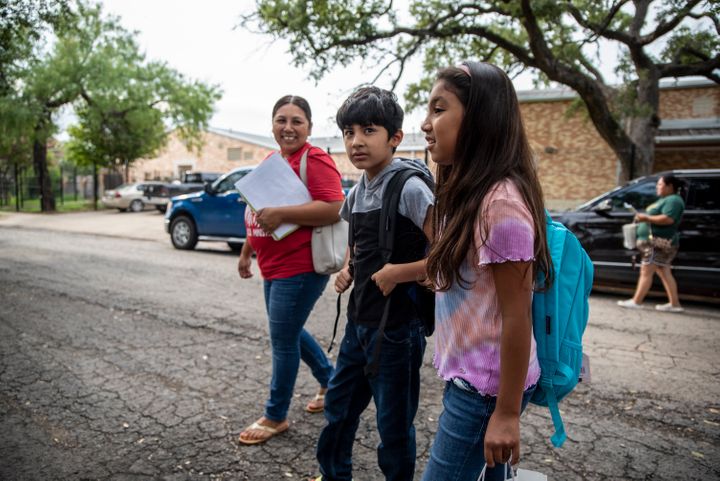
[(490, 245)]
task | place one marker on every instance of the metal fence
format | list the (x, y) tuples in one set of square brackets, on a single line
[(68, 184)]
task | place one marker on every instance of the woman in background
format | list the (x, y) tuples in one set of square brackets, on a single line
[(658, 242)]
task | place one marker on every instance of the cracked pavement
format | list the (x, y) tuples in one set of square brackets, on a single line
[(125, 359)]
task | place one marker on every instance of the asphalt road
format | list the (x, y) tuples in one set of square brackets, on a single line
[(122, 358)]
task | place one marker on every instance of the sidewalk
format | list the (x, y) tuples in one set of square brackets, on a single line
[(147, 225)]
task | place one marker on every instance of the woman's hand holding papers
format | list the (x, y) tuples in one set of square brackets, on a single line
[(269, 218)]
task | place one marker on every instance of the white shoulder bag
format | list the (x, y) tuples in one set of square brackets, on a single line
[(329, 242)]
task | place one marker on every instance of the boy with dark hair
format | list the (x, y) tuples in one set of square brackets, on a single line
[(371, 123)]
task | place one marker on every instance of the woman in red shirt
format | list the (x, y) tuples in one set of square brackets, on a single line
[(291, 285)]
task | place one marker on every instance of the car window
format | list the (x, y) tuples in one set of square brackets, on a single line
[(228, 183), (639, 196), (704, 194)]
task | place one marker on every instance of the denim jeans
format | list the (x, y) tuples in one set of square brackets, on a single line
[(289, 302), (395, 389), (457, 452)]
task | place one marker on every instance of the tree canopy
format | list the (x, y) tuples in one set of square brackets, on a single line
[(125, 104), (556, 40)]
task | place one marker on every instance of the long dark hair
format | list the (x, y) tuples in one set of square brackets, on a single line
[(491, 146)]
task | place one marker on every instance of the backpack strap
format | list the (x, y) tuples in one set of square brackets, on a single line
[(386, 240), (560, 436), (338, 309), (389, 211)]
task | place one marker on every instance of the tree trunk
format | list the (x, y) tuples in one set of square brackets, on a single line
[(47, 199), (643, 128), (17, 188), (95, 186)]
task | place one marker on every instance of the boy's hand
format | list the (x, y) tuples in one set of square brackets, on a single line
[(343, 280), (385, 279), (502, 439)]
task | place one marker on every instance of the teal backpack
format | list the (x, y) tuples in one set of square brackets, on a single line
[(560, 315)]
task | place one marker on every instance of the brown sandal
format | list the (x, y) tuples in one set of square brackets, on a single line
[(268, 432), (317, 405)]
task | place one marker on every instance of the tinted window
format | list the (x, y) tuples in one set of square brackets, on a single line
[(704, 194), (639, 196), (228, 183), (193, 178)]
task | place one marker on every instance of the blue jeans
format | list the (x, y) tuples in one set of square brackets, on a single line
[(289, 302), (395, 389), (457, 452)]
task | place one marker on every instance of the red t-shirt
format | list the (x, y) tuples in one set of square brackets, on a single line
[(291, 255)]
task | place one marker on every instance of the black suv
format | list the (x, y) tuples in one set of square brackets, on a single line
[(598, 226)]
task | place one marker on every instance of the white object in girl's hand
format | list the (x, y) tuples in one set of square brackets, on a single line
[(520, 475)]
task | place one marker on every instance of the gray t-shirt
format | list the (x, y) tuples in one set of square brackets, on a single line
[(366, 196)]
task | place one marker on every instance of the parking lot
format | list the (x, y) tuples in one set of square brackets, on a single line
[(122, 358)]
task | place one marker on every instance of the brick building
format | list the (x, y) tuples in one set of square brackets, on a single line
[(574, 162)]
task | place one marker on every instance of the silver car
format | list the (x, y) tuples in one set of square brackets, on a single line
[(129, 196)]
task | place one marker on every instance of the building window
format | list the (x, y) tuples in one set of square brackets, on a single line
[(703, 106), (234, 153), (248, 155)]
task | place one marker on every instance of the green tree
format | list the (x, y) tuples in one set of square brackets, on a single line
[(132, 106), (124, 103), (23, 25), (55, 76), (557, 40)]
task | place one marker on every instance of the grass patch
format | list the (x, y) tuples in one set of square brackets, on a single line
[(69, 204)]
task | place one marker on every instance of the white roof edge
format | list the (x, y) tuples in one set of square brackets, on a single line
[(675, 139), (696, 123), (566, 93), (260, 140)]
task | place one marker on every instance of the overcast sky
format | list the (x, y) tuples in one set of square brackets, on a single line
[(198, 39)]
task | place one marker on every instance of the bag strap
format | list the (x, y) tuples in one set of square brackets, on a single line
[(507, 468), (338, 309), (303, 167)]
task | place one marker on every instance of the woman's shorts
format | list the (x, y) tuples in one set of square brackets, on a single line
[(653, 254)]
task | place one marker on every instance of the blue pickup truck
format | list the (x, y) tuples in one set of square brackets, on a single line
[(216, 213)]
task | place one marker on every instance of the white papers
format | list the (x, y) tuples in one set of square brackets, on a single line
[(273, 183)]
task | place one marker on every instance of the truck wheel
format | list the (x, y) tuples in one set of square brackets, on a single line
[(235, 246), (183, 233), (136, 205)]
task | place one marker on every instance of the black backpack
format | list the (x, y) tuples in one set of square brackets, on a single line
[(422, 296)]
